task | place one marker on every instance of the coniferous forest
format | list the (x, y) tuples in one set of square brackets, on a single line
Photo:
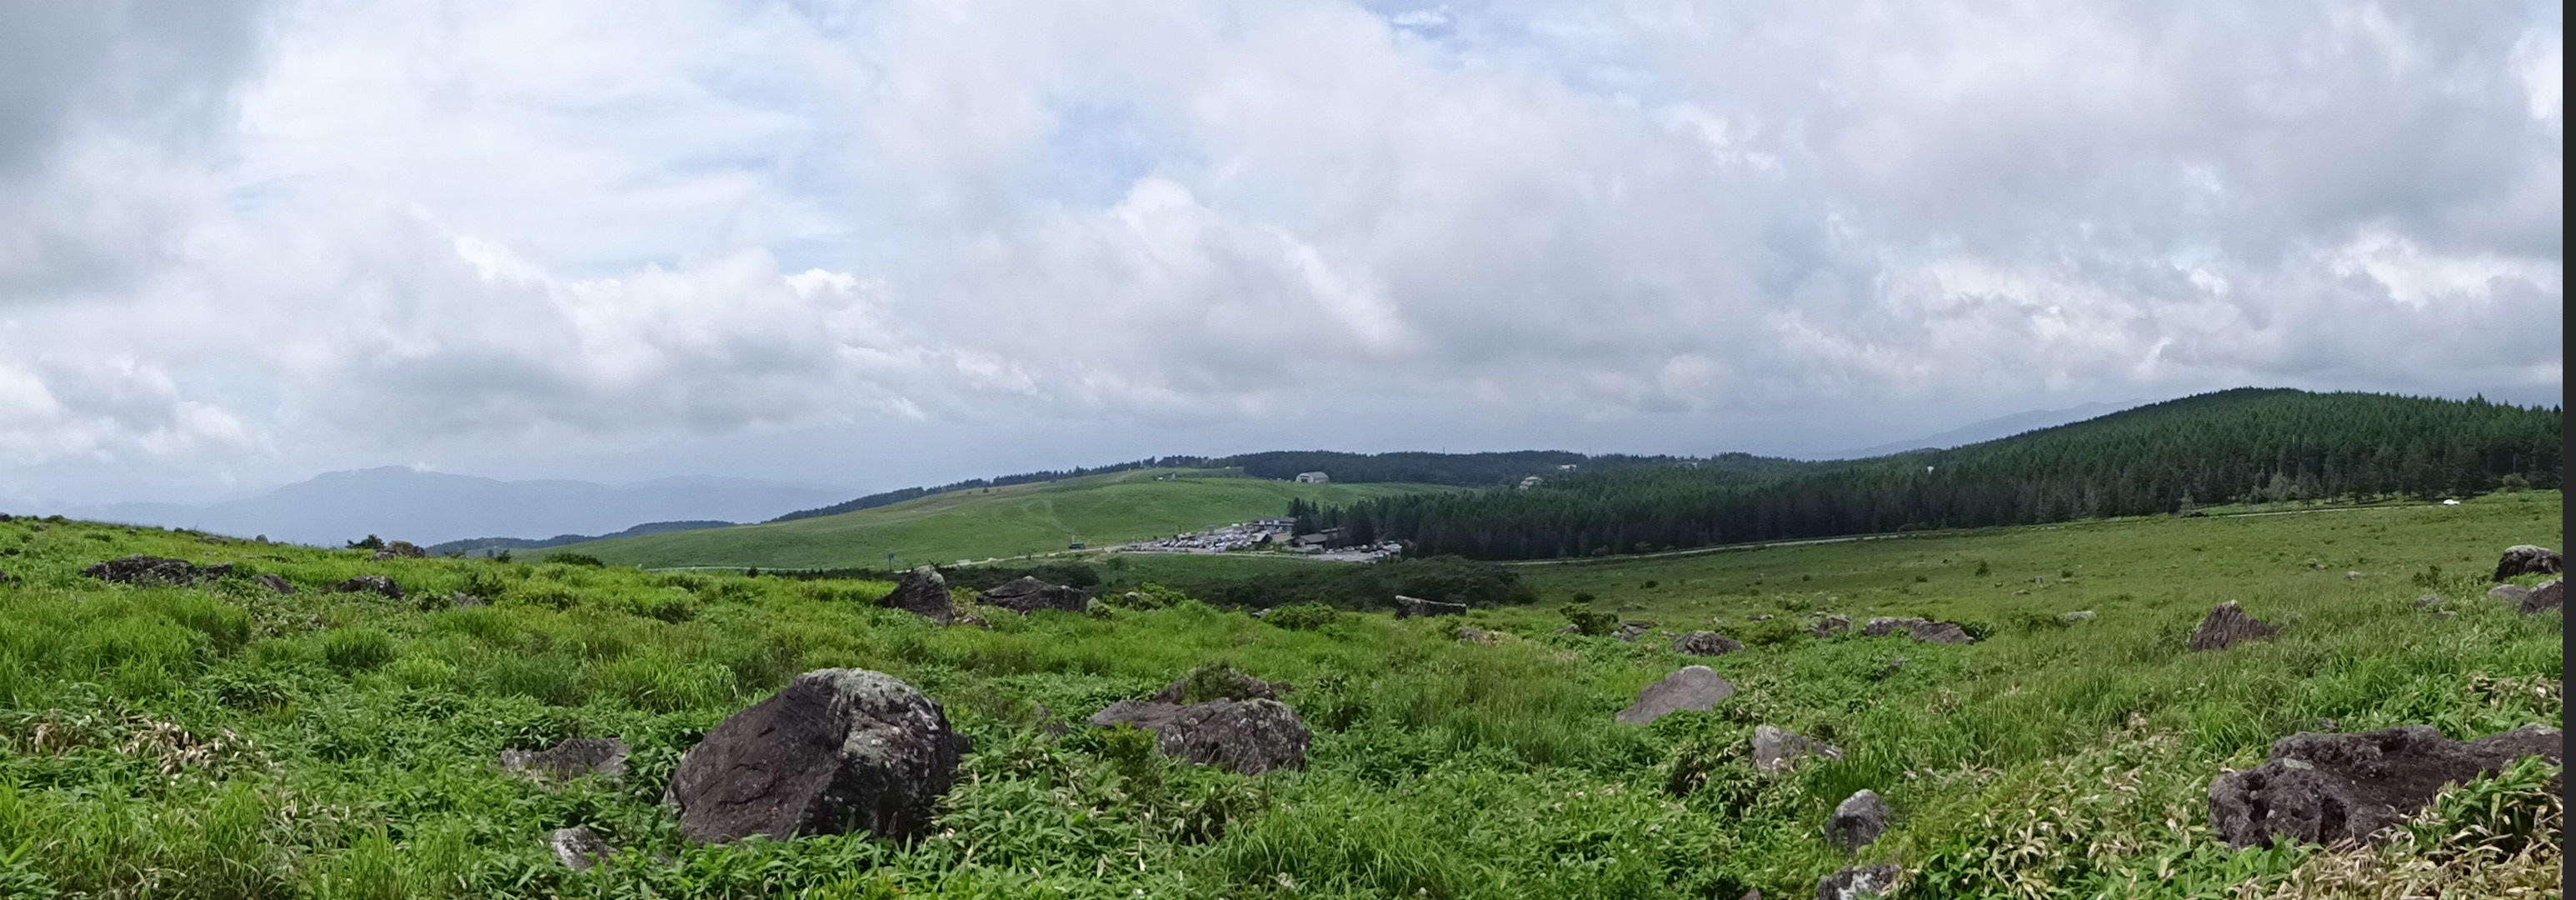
[(2248, 445)]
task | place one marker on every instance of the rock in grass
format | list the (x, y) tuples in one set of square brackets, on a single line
[(461, 600), (1217, 681), (2326, 788), (837, 750), (1830, 625), (1883, 626), (1885, 672), (2545, 597), (155, 570), (1027, 594), (577, 848), (1408, 607), (1857, 821), (275, 583), (2509, 593), (1706, 643), (2525, 559), (372, 584), (1470, 634), (1777, 750), (2080, 615), (1691, 688), (1941, 633), (573, 758), (1247, 737), (2227, 625), (1633, 629), (1857, 883), (922, 592)]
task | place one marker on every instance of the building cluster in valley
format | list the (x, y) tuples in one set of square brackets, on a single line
[(1269, 534)]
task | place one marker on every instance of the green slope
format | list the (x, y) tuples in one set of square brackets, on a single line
[(993, 522)]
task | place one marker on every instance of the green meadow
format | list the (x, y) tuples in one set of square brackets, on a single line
[(225, 741), (1010, 521)]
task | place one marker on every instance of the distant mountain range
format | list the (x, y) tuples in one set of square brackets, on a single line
[(1996, 428), (429, 508)]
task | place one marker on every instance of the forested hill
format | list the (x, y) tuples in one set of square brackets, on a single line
[(1452, 469), (2246, 444)]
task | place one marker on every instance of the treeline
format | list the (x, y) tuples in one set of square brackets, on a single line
[(1458, 469), (2246, 444), (892, 497)]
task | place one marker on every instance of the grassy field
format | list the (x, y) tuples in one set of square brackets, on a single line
[(222, 741), (1005, 521)]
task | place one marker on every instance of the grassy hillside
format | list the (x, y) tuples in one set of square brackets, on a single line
[(990, 522), (226, 742)]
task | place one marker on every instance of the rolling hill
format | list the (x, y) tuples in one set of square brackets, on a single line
[(979, 523)]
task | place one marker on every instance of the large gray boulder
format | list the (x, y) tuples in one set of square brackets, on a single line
[(573, 758), (1857, 883), (1942, 633), (1691, 688), (1777, 750), (837, 750), (1027, 594), (155, 570), (2509, 593), (922, 592), (2547, 596), (2227, 625), (2327, 788), (2525, 559), (1408, 607), (1706, 643), (1247, 737), (1857, 821)]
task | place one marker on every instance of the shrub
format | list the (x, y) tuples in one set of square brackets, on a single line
[(1983, 569), (1146, 596), (1773, 633), (576, 559), (1588, 620), (2027, 622), (1306, 616), (355, 650)]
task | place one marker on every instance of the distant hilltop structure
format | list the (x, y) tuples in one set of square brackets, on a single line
[(1313, 478)]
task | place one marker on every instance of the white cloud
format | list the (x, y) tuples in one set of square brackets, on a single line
[(324, 234)]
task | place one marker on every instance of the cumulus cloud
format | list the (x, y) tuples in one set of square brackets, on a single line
[(319, 234)]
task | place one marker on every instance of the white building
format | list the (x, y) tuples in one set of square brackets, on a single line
[(1313, 478)]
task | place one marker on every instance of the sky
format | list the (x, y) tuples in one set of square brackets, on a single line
[(886, 243)]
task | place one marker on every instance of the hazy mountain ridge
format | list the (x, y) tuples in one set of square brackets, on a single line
[(431, 508)]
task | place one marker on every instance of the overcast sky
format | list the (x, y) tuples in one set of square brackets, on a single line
[(872, 244)]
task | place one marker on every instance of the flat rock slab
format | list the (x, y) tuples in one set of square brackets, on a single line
[(155, 570), (922, 592), (1243, 736), (1693, 688), (1027, 594), (837, 750), (2328, 788), (1941, 633), (2227, 625), (275, 583), (2525, 559), (1706, 643), (1408, 607), (573, 758)]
